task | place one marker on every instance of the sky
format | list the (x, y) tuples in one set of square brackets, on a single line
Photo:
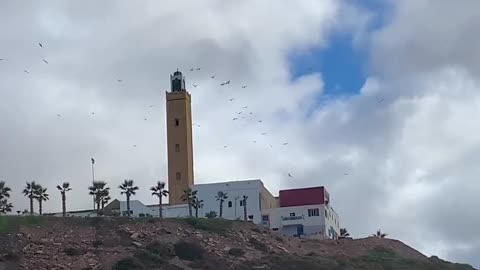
[(377, 101)]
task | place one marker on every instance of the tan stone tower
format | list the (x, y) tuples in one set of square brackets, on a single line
[(179, 138)]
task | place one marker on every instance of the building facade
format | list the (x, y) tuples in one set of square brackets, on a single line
[(179, 138), (303, 212)]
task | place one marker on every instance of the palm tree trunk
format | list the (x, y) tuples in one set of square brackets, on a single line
[(196, 212), (245, 210), (189, 208), (221, 209), (40, 207), (128, 205), (97, 198), (31, 205), (64, 206), (160, 214)]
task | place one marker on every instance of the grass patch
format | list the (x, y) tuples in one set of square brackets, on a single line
[(215, 225), (10, 223), (258, 245), (189, 251), (237, 252)]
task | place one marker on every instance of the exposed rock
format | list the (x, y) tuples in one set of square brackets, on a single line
[(137, 244)]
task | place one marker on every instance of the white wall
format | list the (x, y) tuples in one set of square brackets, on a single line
[(332, 221), (250, 188), (137, 208)]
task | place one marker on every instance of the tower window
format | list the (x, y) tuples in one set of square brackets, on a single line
[(177, 147), (229, 203), (241, 203), (178, 176), (177, 122)]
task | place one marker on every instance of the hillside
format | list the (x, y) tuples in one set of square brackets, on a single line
[(173, 244)]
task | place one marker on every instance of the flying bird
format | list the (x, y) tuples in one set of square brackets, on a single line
[(59, 114), (228, 82), (259, 121), (213, 77), (234, 118), (270, 146), (231, 99), (198, 125), (243, 117), (239, 113), (40, 44), (191, 69), (134, 145), (380, 100), (224, 146), (198, 68), (244, 86), (119, 80), (93, 113), (26, 71), (222, 84), (45, 61), (195, 85), (1, 59), (345, 174), (145, 119), (254, 141), (244, 107), (225, 83), (289, 175), (264, 133), (251, 112), (151, 106)]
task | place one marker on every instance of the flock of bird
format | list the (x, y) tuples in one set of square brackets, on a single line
[(240, 115)]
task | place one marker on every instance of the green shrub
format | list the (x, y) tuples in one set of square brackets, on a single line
[(146, 257), (189, 251), (70, 251), (211, 214), (97, 243), (161, 249), (258, 245), (127, 264), (237, 252)]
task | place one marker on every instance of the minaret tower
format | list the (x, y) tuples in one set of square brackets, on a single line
[(179, 138)]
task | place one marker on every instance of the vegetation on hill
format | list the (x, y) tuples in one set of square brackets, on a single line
[(123, 243)]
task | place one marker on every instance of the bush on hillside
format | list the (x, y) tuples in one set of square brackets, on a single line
[(127, 264), (237, 252), (161, 249), (189, 251), (258, 245)]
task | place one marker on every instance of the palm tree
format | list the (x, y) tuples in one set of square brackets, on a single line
[(244, 200), (221, 196), (128, 189), (5, 206), (344, 233), (197, 204), (41, 195), (29, 191), (159, 191), (63, 190), (379, 234), (98, 190), (105, 198), (189, 196), (4, 190)]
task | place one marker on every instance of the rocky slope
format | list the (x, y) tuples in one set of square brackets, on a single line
[(122, 244)]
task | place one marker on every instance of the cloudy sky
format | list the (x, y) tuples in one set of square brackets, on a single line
[(378, 101)]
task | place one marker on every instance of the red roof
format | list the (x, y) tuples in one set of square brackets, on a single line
[(303, 196)]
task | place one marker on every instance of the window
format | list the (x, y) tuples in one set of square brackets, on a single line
[(265, 218), (313, 212), (177, 147), (326, 214), (274, 229), (141, 215), (178, 176), (250, 217), (229, 203), (292, 214), (177, 122), (241, 203)]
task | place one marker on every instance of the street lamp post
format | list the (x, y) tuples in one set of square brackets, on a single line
[(93, 179)]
